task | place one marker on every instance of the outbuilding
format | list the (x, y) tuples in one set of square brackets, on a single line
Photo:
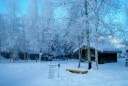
[(106, 53)]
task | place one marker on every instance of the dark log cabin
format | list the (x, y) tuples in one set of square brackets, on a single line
[(103, 56), (108, 56)]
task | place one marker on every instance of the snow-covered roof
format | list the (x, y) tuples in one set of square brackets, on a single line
[(108, 47), (105, 46)]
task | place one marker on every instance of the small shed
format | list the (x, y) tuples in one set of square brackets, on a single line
[(106, 53), (108, 56)]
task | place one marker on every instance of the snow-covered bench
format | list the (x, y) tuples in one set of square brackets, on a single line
[(77, 71)]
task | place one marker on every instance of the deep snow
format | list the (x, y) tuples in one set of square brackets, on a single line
[(36, 74)]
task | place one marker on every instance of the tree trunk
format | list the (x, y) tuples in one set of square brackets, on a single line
[(24, 56), (79, 57), (40, 57), (40, 54), (88, 35), (28, 56), (96, 33), (89, 58), (96, 54)]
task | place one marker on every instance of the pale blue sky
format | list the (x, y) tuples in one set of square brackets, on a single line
[(59, 11), (23, 5)]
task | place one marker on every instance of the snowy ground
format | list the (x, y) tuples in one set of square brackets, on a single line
[(37, 74)]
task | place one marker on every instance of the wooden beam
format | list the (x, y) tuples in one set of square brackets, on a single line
[(77, 71)]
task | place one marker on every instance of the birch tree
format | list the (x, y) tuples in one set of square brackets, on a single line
[(47, 26), (32, 27), (12, 9), (2, 31)]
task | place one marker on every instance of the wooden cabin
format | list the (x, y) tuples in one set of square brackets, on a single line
[(104, 56), (107, 56)]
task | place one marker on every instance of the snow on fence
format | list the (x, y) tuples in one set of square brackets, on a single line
[(53, 71)]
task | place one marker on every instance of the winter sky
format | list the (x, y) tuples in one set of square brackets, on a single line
[(61, 11), (24, 5), (58, 11)]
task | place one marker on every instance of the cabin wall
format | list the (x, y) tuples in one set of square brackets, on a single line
[(84, 54), (107, 57)]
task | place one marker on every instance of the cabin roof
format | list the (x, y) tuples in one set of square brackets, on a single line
[(103, 47), (108, 47)]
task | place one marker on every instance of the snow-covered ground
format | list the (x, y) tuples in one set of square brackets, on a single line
[(37, 74)]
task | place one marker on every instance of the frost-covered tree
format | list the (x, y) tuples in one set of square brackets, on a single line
[(88, 16), (40, 32), (24, 45), (47, 26), (80, 20), (99, 9), (39, 26), (31, 27), (12, 27), (2, 31)]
